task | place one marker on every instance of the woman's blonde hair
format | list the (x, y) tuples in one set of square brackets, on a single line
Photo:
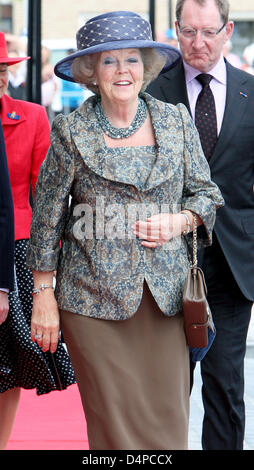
[(83, 68)]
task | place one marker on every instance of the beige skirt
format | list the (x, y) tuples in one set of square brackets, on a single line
[(133, 377)]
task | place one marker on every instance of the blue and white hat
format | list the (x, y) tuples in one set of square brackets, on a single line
[(111, 31)]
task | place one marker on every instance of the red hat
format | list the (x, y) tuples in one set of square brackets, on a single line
[(4, 59)]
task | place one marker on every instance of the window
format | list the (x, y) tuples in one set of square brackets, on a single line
[(6, 18)]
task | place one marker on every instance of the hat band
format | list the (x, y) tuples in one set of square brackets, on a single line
[(113, 29)]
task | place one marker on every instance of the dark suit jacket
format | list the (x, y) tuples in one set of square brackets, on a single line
[(6, 222), (232, 167)]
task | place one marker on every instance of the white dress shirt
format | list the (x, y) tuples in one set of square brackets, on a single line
[(218, 86)]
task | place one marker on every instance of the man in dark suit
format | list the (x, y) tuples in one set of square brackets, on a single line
[(203, 28), (6, 233)]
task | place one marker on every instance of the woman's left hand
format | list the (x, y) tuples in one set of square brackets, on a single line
[(158, 229)]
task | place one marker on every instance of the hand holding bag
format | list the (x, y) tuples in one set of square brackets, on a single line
[(198, 323)]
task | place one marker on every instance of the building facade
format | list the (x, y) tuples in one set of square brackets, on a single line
[(62, 18)]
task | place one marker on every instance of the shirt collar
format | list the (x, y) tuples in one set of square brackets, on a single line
[(218, 71)]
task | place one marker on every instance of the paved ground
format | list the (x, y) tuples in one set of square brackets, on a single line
[(196, 415)]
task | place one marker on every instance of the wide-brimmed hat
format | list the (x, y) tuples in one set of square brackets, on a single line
[(4, 59), (111, 31)]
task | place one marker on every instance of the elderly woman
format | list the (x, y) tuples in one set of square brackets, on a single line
[(135, 173)]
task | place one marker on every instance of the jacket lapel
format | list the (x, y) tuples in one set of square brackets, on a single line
[(89, 141), (173, 86), (236, 100), (162, 169), (87, 135), (173, 90)]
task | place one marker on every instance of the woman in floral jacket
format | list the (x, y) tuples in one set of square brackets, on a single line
[(135, 173)]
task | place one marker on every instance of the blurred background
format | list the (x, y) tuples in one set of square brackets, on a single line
[(46, 30)]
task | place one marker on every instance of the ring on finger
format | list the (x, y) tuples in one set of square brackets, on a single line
[(37, 336)]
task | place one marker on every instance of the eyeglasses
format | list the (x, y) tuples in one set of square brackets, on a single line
[(190, 33)]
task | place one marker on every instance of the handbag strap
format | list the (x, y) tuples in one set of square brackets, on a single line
[(195, 242)]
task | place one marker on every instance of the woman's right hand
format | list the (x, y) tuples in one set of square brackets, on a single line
[(45, 322)]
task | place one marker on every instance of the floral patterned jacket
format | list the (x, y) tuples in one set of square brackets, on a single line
[(81, 201)]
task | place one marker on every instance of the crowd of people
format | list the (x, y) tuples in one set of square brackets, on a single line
[(99, 262)]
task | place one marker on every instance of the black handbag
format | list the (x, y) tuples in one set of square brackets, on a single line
[(199, 328)]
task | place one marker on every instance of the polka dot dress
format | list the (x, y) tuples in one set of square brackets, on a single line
[(22, 362)]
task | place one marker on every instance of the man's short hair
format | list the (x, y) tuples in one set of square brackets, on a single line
[(223, 7)]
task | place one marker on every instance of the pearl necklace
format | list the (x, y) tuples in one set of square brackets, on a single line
[(121, 132)]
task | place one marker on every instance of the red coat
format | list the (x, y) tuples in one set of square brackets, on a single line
[(27, 138)]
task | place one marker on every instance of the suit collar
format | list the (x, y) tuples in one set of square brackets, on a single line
[(173, 86), (84, 127), (236, 99)]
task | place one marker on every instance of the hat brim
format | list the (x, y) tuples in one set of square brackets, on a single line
[(12, 61), (63, 68)]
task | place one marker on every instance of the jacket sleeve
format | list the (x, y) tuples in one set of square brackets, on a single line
[(51, 201), (6, 222), (40, 146), (200, 194)]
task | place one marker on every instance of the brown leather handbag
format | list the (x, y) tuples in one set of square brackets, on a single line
[(197, 314)]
